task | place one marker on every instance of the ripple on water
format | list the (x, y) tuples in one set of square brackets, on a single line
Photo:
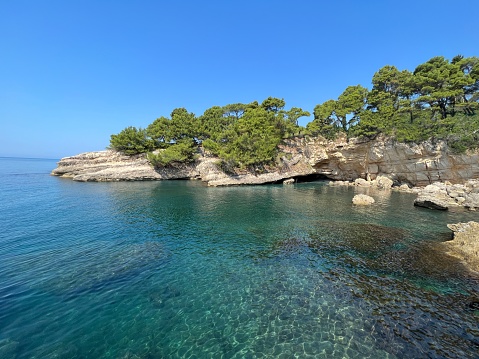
[(178, 270)]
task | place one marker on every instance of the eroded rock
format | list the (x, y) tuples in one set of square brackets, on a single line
[(381, 160), (363, 200), (465, 244)]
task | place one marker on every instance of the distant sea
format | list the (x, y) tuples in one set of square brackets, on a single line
[(175, 269)]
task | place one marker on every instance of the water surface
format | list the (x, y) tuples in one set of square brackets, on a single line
[(179, 270)]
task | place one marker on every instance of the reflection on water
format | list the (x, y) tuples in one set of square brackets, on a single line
[(180, 270)]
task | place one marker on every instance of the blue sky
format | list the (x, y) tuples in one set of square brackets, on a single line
[(74, 72)]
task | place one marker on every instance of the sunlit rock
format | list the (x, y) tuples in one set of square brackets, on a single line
[(363, 200), (465, 244)]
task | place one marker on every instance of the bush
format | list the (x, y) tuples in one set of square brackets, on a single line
[(179, 152), (131, 141)]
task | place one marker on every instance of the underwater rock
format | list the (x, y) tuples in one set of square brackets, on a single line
[(103, 270), (364, 238), (8, 349), (160, 297), (363, 200)]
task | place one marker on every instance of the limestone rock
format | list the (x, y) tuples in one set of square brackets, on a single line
[(471, 201), (465, 244), (363, 200), (383, 182), (404, 188), (360, 182), (339, 160), (445, 195), (106, 166), (289, 181), (432, 200)]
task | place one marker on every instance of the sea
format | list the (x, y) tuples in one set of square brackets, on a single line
[(176, 269)]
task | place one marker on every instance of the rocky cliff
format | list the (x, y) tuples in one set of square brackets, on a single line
[(412, 164)]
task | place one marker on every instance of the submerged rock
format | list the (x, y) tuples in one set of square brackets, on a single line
[(363, 200), (465, 244), (8, 349)]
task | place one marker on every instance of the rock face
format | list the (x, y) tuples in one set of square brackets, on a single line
[(106, 166), (380, 162), (465, 244), (115, 166), (363, 200), (413, 164)]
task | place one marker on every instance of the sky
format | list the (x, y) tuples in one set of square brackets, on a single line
[(74, 72)]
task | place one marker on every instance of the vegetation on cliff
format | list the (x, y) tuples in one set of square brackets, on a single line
[(438, 100), (243, 135)]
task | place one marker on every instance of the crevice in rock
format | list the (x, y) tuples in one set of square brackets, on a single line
[(313, 177)]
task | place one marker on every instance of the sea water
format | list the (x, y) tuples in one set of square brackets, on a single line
[(175, 269)]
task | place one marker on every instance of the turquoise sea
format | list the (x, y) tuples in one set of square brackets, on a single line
[(175, 269)]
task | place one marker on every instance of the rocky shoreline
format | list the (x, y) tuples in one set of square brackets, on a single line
[(339, 160)]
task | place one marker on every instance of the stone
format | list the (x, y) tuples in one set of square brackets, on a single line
[(471, 201), (404, 188), (360, 182), (363, 200), (432, 201), (289, 181), (383, 182), (465, 243)]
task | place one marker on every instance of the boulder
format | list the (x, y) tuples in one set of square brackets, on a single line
[(471, 201), (434, 196), (404, 188), (360, 182), (432, 201), (383, 182), (363, 200), (465, 243), (288, 181)]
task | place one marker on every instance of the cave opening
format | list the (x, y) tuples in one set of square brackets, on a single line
[(313, 177)]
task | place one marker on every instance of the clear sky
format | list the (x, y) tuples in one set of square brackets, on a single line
[(73, 72)]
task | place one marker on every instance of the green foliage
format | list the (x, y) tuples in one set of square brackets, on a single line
[(253, 139), (183, 125), (464, 134), (131, 141), (439, 100), (247, 135), (440, 83), (158, 131), (180, 152), (342, 113), (273, 104)]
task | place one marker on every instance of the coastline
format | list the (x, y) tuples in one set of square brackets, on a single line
[(414, 165)]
